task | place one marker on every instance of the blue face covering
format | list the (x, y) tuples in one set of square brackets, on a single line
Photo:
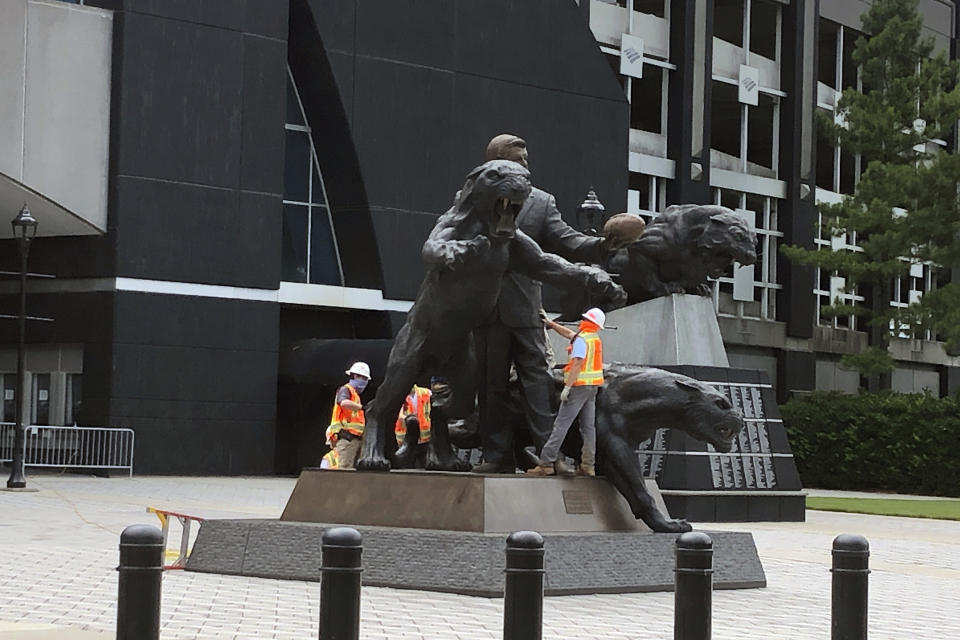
[(358, 383)]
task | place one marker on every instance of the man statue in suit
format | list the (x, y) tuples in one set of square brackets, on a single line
[(515, 334)]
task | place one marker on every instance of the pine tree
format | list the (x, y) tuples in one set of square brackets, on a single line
[(905, 207)]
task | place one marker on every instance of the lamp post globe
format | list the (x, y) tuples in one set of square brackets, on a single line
[(24, 225), (24, 230), (590, 213)]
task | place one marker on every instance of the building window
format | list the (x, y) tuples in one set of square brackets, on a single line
[(40, 400), (837, 170), (73, 400), (647, 195), (648, 100), (765, 28), (648, 94), (310, 251), (653, 7), (762, 125), (753, 25), (8, 395), (726, 118), (728, 22), (744, 137), (757, 298)]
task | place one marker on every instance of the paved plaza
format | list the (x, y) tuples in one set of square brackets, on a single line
[(59, 553)]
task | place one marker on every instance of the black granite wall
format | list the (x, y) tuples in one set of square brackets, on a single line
[(422, 86), (196, 181)]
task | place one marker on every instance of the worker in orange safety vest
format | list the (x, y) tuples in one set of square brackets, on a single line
[(412, 429), (583, 377), (347, 422)]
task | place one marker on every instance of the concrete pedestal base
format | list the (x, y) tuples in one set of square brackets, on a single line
[(465, 562), (448, 532), (462, 501)]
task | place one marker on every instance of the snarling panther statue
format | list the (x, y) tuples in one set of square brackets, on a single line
[(634, 403), (467, 254), (681, 248)]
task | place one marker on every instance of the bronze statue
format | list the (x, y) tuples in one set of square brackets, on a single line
[(635, 402), (513, 335), (468, 252), (681, 248)]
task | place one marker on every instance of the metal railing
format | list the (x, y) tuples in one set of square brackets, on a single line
[(71, 447)]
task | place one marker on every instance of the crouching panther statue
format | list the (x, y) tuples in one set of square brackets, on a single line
[(633, 404), (467, 254), (680, 249)]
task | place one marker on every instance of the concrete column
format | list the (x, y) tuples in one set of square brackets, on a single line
[(688, 126), (798, 78)]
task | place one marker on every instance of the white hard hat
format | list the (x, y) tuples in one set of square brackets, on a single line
[(596, 316), (359, 368)]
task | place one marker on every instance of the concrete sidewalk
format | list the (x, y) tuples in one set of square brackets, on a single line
[(59, 550), (28, 631)]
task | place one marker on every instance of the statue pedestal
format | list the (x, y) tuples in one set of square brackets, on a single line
[(462, 502), (605, 551)]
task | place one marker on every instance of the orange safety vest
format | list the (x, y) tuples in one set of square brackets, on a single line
[(352, 421), (423, 415), (591, 373)]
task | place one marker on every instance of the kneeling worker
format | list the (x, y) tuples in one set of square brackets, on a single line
[(346, 424), (412, 429), (583, 377)]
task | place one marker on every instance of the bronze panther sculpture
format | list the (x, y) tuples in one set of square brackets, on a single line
[(680, 249), (636, 401), (633, 404), (467, 254)]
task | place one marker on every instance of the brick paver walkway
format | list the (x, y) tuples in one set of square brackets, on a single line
[(59, 552)]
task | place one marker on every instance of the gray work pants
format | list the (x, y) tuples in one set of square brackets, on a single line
[(582, 401)]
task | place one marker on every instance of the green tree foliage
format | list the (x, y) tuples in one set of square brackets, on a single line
[(906, 202)]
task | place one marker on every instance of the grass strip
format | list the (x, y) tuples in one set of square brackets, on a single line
[(933, 509)]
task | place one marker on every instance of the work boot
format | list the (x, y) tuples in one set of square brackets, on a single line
[(494, 467), (563, 469), (541, 470), (586, 470)]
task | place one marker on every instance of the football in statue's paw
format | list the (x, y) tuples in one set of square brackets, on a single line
[(623, 229)]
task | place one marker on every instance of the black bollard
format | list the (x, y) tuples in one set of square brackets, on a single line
[(851, 566), (523, 587), (340, 584), (138, 593), (693, 595)]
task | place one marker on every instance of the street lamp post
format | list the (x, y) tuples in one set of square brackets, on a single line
[(24, 230)]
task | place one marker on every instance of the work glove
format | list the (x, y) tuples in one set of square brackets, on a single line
[(565, 394)]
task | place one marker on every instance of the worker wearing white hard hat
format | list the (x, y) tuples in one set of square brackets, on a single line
[(361, 369), (583, 377), (596, 316), (347, 422)]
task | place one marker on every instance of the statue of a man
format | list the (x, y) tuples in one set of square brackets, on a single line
[(515, 335)]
